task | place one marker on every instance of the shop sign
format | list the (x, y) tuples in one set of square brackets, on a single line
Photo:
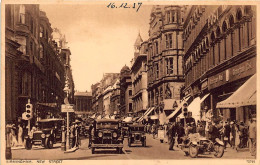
[(216, 80), (204, 85), (242, 70), (239, 71)]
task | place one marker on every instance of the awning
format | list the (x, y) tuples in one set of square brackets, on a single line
[(149, 110), (154, 117), (195, 107), (169, 104), (244, 96), (53, 105), (174, 113), (128, 119)]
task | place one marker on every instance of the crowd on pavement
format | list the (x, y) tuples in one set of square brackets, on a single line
[(234, 134)]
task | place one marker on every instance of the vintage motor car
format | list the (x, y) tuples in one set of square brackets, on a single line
[(136, 135), (107, 134), (195, 144), (47, 133), (125, 128)]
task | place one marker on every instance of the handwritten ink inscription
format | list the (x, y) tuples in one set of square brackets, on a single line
[(126, 5)]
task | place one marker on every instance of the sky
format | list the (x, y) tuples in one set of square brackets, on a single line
[(101, 39)]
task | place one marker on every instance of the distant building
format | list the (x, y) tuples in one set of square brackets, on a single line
[(139, 77), (102, 92), (83, 103), (126, 104), (115, 97)]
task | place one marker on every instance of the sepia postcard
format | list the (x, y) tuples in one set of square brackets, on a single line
[(129, 82)]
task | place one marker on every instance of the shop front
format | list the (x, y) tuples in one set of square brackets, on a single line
[(233, 92)]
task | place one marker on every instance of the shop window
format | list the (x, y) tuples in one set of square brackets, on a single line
[(22, 14)]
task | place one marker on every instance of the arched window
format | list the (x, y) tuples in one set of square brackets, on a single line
[(224, 29), (22, 14), (247, 9), (218, 32), (239, 14), (231, 21), (212, 36), (240, 29)]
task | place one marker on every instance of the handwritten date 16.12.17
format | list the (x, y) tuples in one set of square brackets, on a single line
[(125, 5)]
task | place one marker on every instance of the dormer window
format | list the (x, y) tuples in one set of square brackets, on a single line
[(22, 14)]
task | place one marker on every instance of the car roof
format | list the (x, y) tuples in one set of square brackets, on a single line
[(136, 125), (48, 120), (107, 120)]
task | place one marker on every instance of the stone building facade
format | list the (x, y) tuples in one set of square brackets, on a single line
[(139, 77), (220, 56), (83, 103), (165, 59), (34, 69)]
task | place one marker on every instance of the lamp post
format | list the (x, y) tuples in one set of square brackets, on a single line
[(66, 101)]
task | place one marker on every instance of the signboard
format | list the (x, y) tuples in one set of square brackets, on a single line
[(234, 73), (67, 108)]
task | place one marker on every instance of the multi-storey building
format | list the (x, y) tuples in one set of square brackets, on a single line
[(34, 69), (139, 77), (164, 60), (220, 56), (115, 97), (102, 92), (126, 105), (83, 103)]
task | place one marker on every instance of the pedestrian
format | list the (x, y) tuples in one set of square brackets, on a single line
[(72, 135), (180, 132), (252, 136), (227, 131), (232, 134), (90, 134), (237, 135), (171, 136), (200, 129), (13, 136), (20, 134)]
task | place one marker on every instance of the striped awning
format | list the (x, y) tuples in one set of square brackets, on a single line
[(244, 96)]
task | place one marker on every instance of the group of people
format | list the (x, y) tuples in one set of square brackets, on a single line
[(17, 134), (75, 134)]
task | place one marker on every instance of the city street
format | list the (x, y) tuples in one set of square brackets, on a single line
[(154, 150)]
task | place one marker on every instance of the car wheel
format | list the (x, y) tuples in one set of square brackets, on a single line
[(193, 151), (219, 151), (161, 140), (93, 150), (129, 142), (28, 144), (119, 150), (144, 143), (48, 143)]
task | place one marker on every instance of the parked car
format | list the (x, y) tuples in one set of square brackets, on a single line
[(107, 133), (125, 128), (47, 133), (136, 135), (195, 144)]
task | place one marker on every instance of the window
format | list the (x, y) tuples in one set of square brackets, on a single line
[(41, 51), (168, 40), (41, 31), (22, 42), (31, 25), (31, 47), (22, 14), (130, 92), (157, 70), (156, 48), (168, 16), (130, 107), (173, 16), (169, 65)]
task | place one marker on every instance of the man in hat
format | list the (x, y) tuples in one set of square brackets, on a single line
[(227, 131), (171, 135), (232, 134), (252, 136)]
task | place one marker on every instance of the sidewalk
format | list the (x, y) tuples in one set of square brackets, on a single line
[(230, 153)]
